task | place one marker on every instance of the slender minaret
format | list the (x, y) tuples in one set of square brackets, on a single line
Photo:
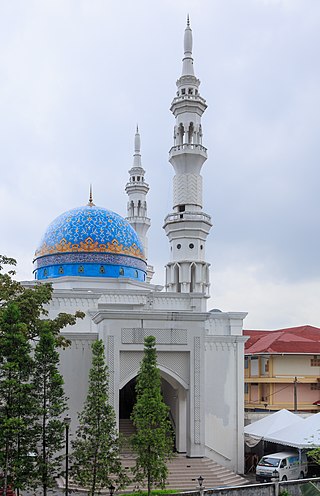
[(187, 227), (137, 190)]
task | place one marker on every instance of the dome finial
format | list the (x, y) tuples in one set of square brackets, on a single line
[(188, 21), (90, 204)]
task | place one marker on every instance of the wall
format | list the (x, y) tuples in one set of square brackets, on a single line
[(269, 489), (75, 363), (224, 363), (293, 365)]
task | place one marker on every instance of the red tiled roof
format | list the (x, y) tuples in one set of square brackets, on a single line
[(303, 339)]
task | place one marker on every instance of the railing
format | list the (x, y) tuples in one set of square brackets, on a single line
[(218, 453), (188, 216), (188, 146), (189, 97)]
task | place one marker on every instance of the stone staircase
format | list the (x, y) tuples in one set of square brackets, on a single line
[(183, 471)]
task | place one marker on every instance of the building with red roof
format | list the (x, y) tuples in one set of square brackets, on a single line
[(282, 369)]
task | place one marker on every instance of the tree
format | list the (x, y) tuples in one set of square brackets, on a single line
[(51, 403), (23, 316), (314, 453), (16, 404), (153, 440), (96, 460)]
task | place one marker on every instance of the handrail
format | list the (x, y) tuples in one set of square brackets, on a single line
[(218, 453)]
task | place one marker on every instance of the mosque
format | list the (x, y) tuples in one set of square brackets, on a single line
[(97, 262)]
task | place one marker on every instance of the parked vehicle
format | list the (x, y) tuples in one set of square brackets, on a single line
[(282, 466)]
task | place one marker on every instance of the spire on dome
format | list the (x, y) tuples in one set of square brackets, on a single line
[(90, 204), (187, 61)]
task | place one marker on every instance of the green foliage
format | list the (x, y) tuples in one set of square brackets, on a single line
[(96, 450), (16, 402), (153, 440), (50, 404), (309, 489), (315, 455), (23, 321)]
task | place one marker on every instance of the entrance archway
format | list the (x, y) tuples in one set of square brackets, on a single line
[(174, 395)]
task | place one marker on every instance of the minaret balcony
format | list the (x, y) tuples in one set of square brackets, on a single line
[(191, 148), (187, 96), (188, 103), (188, 216)]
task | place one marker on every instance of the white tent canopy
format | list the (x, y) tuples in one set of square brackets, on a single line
[(259, 430), (304, 435)]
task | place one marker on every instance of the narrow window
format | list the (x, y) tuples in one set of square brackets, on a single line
[(61, 271), (81, 269), (102, 270), (121, 271)]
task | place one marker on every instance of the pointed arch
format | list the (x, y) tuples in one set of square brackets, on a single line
[(191, 133), (193, 268), (181, 133), (177, 277)]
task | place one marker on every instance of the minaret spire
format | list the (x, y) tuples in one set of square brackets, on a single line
[(187, 61), (137, 190), (187, 226)]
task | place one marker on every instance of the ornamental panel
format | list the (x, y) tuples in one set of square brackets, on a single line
[(174, 361), (136, 335)]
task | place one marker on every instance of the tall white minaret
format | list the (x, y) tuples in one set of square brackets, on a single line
[(137, 190), (187, 227)]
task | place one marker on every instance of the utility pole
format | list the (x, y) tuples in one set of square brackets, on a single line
[(295, 395)]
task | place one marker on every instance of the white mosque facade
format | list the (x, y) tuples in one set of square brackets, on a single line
[(97, 263)]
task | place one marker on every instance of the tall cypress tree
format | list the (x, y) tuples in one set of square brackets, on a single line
[(22, 310), (96, 450), (153, 440), (16, 405), (51, 403)]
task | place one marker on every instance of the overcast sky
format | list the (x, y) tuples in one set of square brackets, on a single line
[(77, 75)]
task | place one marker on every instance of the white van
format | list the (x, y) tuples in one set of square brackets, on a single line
[(282, 466)]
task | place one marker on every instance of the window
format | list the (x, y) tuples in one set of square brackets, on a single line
[(102, 270), (183, 91), (136, 273), (121, 271), (315, 387), (315, 361), (182, 208), (246, 388), (190, 91), (191, 246), (81, 269), (246, 362), (45, 272), (61, 270), (178, 246)]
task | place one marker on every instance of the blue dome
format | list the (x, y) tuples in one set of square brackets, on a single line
[(90, 241)]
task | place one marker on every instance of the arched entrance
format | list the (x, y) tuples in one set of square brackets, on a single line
[(174, 395)]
